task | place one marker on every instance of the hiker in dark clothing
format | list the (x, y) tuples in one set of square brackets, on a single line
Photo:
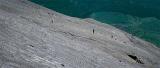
[(93, 31)]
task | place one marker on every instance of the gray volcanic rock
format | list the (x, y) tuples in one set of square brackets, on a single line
[(32, 36)]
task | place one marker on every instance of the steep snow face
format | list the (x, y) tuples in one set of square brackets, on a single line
[(32, 36)]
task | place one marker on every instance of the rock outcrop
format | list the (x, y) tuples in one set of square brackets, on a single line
[(32, 36)]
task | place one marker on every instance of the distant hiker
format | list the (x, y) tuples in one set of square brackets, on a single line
[(112, 36), (93, 31), (50, 17)]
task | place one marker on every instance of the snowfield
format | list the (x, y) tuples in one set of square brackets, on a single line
[(32, 36)]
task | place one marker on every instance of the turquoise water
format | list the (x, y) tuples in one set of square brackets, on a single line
[(141, 18)]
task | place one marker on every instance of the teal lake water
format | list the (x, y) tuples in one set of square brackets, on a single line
[(140, 18)]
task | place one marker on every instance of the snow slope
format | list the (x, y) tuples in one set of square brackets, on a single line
[(32, 36)]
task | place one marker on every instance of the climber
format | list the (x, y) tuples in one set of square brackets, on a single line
[(93, 31)]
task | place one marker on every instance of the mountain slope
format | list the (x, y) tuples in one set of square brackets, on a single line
[(32, 36)]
